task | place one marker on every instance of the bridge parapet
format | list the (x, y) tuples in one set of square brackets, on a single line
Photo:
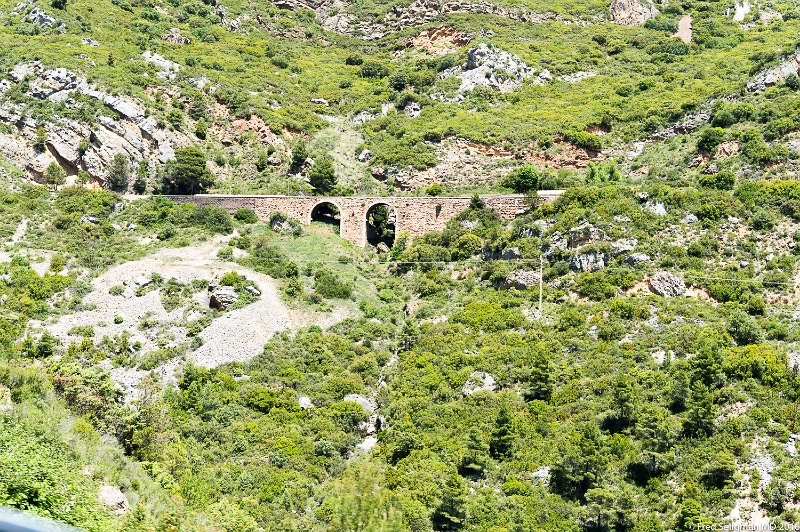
[(414, 214)]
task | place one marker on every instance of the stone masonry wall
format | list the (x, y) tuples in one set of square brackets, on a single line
[(416, 215)]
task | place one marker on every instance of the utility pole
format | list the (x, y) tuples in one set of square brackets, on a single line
[(541, 282)]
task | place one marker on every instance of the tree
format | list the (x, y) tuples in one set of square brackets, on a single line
[(187, 173), (625, 400), (523, 179), (201, 129), (710, 138), (118, 173), (322, 176), (476, 203), (473, 462), (54, 175), (140, 183), (723, 180), (450, 514), (40, 141), (502, 441), (744, 329), (59, 4), (700, 411), (299, 154)]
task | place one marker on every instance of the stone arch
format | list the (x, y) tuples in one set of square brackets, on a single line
[(327, 212), (380, 223)]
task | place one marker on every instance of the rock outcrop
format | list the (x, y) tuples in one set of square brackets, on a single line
[(667, 284), (487, 66), (587, 262), (632, 12), (113, 498), (126, 128), (521, 280), (788, 65)]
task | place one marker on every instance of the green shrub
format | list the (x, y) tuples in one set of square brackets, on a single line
[(710, 138), (373, 69), (723, 180), (329, 285), (488, 317), (523, 180), (214, 219)]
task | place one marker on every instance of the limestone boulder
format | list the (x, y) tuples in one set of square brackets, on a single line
[(667, 284), (587, 262), (113, 498), (522, 280), (477, 382)]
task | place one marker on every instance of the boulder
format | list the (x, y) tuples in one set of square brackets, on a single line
[(141, 282), (690, 218), (38, 16), (167, 69), (585, 234), (174, 36), (522, 280), (412, 110), (477, 382), (656, 207), (511, 254), (587, 262), (113, 498), (365, 156), (222, 297), (637, 258), (667, 284), (252, 290), (632, 12), (6, 405), (622, 246), (320, 101), (382, 248), (305, 402)]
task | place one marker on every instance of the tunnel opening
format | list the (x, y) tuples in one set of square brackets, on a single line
[(381, 224), (328, 214)]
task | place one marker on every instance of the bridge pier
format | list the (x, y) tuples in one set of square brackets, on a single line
[(413, 214)]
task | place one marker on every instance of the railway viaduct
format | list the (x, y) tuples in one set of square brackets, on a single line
[(416, 215)]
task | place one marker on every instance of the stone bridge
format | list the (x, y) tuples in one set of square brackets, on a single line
[(416, 215)]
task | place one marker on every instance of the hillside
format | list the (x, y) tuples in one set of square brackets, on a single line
[(625, 357)]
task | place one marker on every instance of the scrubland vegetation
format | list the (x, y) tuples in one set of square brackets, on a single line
[(617, 409)]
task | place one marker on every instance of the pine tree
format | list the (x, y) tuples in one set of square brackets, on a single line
[(450, 515), (322, 176), (502, 441), (119, 173)]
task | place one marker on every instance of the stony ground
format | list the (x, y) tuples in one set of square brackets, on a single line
[(235, 335)]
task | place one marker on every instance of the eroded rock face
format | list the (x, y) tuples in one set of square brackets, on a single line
[(74, 145), (632, 12), (667, 284), (789, 65)]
